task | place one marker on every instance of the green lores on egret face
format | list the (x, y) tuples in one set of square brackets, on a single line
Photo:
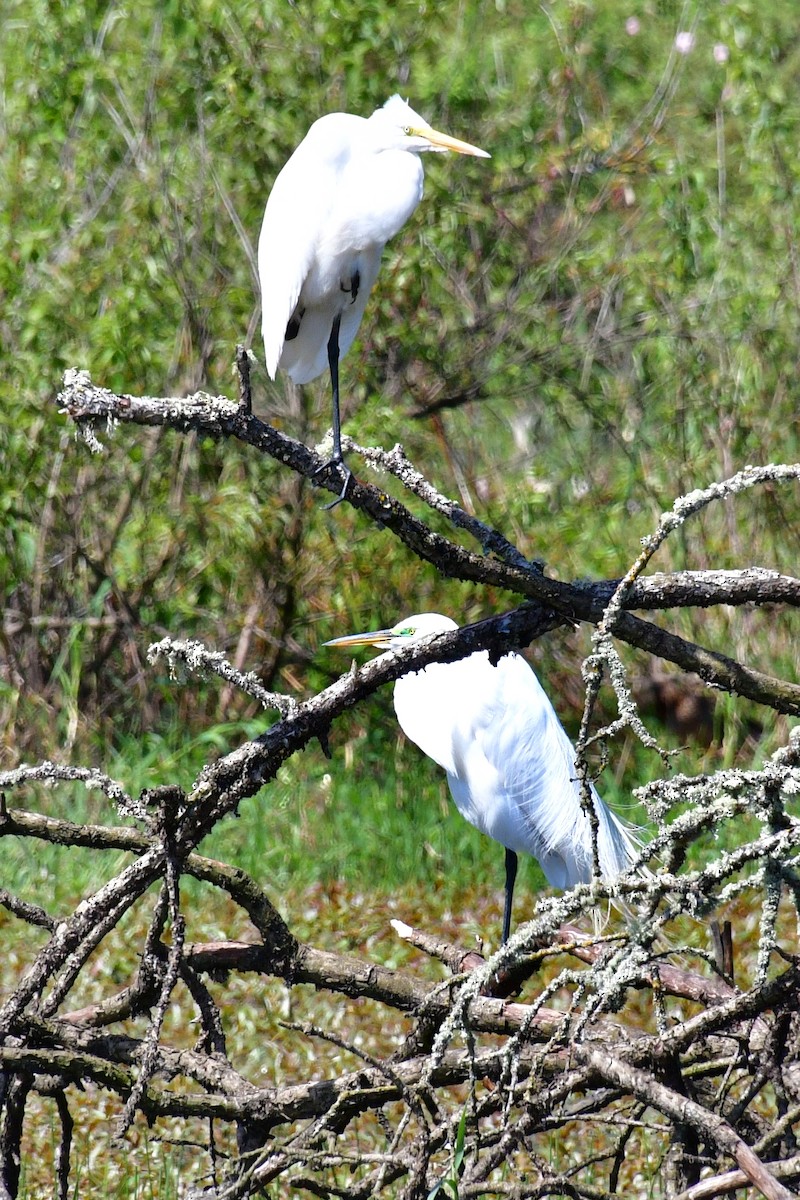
[(349, 186), (509, 763), (405, 633)]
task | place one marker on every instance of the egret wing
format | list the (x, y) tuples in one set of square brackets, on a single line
[(294, 221), (515, 771)]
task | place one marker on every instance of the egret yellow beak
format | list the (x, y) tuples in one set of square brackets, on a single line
[(379, 637), (443, 141)]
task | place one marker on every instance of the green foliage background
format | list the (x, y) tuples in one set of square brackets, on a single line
[(566, 337), (603, 316)]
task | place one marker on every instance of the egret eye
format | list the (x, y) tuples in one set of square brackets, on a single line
[(407, 130)]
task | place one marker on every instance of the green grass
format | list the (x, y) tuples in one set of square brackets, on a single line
[(377, 814)]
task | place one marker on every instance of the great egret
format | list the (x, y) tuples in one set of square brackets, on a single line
[(349, 186), (509, 762)]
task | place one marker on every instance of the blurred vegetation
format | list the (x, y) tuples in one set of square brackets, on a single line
[(565, 338)]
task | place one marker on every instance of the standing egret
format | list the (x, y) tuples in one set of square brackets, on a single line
[(349, 186), (509, 762)]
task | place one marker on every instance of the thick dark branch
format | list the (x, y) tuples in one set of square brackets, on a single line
[(703, 589), (341, 973), (16, 823), (237, 883), (15, 1087), (686, 1112), (280, 944), (552, 601), (64, 1145), (717, 669), (215, 416), (31, 913), (228, 1096), (119, 893)]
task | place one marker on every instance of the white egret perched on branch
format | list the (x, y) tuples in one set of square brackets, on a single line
[(509, 762), (349, 186)]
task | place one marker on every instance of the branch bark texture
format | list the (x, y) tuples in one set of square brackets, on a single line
[(541, 1071)]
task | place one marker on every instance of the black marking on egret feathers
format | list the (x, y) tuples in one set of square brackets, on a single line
[(293, 326), (354, 285)]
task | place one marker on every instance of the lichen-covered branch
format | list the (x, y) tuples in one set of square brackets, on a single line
[(551, 1068), (96, 409), (573, 1053)]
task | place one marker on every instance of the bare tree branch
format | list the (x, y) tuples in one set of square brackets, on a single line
[(541, 1094), (92, 407)]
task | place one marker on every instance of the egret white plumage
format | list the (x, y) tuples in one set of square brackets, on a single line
[(349, 186), (510, 765)]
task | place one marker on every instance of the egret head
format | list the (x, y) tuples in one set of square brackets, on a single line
[(403, 129), (407, 632)]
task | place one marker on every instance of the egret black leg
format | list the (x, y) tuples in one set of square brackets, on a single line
[(511, 875), (336, 458), (333, 363)]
